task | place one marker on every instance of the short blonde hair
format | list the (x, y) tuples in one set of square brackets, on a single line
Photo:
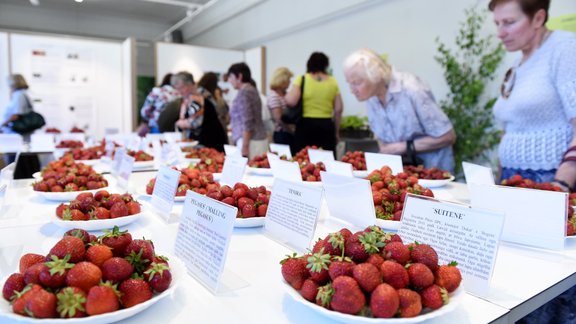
[(280, 77), (375, 68), (17, 82)]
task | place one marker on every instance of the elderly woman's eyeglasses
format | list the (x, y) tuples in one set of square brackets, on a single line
[(508, 83)]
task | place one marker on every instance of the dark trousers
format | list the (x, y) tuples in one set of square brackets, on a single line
[(315, 131)]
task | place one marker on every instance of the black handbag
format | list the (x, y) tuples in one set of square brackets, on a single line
[(410, 157), (28, 122), (292, 115)]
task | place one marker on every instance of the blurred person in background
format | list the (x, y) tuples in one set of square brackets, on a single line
[(154, 105), (283, 133)]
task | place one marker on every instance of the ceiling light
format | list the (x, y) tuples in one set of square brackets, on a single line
[(35, 2), (79, 1)]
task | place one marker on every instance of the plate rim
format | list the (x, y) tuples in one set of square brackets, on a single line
[(96, 224)]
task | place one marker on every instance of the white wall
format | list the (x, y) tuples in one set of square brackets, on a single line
[(405, 29), (4, 72)]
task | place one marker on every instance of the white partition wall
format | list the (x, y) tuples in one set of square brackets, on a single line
[(129, 116), (171, 58), (256, 60), (4, 72)]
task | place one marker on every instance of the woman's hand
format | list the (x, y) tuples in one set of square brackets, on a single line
[(14, 117), (183, 123)]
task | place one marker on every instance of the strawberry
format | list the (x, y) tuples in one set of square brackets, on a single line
[(116, 269), (340, 267), (376, 260), (101, 195), (14, 284), (69, 245), (360, 245), (397, 251), (410, 303), (249, 210), (101, 299), (334, 243), (448, 276), (229, 200), (98, 253), (348, 298), (117, 240), (41, 304), (226, 191), (134, 291), (71, 302), (19, 301), (262, 210), (394, 274), (53, 274), (309, 290), (32, 273), (84, 275), (99, 213), (133, 207), (60, 210), (424, 253), (139, 253), (150, 186), (367, 276), (119, 209), (294, 271), (29, 259), (243, 201), (420, 275), (74, 215), (79, 233), (318, 267), (384, 301), (434, 297), (158, 276)]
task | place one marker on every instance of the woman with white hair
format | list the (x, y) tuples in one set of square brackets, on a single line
[(402, 111)]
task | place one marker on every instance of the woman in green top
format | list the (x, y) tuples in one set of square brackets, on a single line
[(322, 106)]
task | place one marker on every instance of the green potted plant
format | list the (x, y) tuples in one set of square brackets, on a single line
[(353, 126), (467, 70)]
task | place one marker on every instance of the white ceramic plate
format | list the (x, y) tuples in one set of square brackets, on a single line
[(249, 222), (435, 183), (388, 224), (187, 144), (455, 298), (143, 164), (177, 269), (360, 173), (259, 171), (67, 196), (96, 224), (313, 183)]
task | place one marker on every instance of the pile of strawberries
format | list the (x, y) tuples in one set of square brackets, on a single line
[(421, 172), (211, 160), (311, 171), (76, 130), (140, 156), (100, 205), (190, 179), (389, 191), (373, 274), (83, 276), (302, 155), (52, 130), (251, 202), (70, 144), (259, 161), (90, 153), (66, 175), (357, 160)]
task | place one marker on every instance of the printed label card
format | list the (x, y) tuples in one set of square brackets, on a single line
[(286, 170), (458, 233), (349, 199), (320, 156), (281, 149), (109, 148), (231, 150), (125, 171), (169, 155), (478, 174), (341, 168), (164, 190), (135, 142), (292, 214), (376, 161), (118, 157), (203, 238), (233, 170), (42, 143), (533, 217), (172, 137), (6, 178), (11, 143)]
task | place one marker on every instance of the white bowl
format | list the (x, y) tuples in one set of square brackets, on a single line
[(435, 183), (249, 222), (96, 224)]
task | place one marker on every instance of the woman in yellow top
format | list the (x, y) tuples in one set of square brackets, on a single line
[(321, 108)]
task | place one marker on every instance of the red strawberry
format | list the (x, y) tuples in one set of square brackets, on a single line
[(98, 253), (29, 259), (360, 245), (150, 186), (376, 260), (158, 276), (101, 299), (243, 201), (134, 291), (420, 275), (424, 253), (340, 267), (434, 297), (133, 207), (14, 284), (116, 269), (69, 245), (60, 210), (448, 276), (79, 233), (394, 274), (101, 195), (309, 290), (334, 243), (84, 275), (32, 273), (117, 240), (410, 303), (261, 211), (294, 271), (318, 267), (71, 302), (139, 253), (74, 215), (19, 303), (348, 298), (367, 276), (384, 301), (53, 274), (99, 213), (397, 251), (229, 200), (119, 209), (41, 304), (249, 210)]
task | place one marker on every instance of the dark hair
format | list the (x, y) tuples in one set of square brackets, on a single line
[(209, 81), (529, 7), (166, 79), (318, 62), (242, 69)]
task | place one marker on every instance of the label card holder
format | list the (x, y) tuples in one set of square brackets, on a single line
[(164, 190), (341, 168), (231, 150), (320, 156), (233, 170), (457, 233), (118, 157), (376, 161), (125, 170), (42, 143), (292, 214), (281, 149), (286, 170)]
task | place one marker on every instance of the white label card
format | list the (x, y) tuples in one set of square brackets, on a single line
[(286, 170), (3, 189), (341, 168), (118, 157), (231, 150), (134, 143), (164, 191), (533, 217), (349, 199), (10, 143), (457, 233), (281, 149), (478, 174), (320, 156), (203, 237), (42, 143), (233, 170), (292, 213), (109, 148), (125, 170), (172, 137), (376, 161), (168, 155)]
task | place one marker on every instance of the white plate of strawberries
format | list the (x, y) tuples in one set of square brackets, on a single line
[(96, 224), (249, 222)]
